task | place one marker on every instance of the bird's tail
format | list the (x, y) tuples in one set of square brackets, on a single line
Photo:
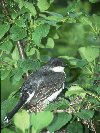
[(13, 112)]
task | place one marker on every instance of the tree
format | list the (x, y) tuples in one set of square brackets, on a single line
[(32, 32)]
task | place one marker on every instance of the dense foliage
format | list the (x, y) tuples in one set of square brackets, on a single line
[(32, 31)]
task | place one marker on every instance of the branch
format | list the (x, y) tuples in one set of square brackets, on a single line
[(21, 52), (5, 10), (20, 49)]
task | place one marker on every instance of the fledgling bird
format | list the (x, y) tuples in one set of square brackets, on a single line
[(41, 87)]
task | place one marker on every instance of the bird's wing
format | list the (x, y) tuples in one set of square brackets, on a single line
[(25, 90), (49, 84)]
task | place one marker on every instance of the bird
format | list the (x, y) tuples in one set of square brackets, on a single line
[(41, 87)]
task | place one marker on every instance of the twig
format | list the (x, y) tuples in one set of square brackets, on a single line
[(21, 52), (5, 10), (20, 49)]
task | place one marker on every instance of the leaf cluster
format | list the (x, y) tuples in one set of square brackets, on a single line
[(44, 30)]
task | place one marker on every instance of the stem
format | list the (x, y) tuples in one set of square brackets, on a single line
[(21, 52), (5, 10), (20, 49)]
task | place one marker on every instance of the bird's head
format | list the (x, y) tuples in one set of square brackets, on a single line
[(56, 64)]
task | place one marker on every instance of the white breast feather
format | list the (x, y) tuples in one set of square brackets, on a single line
[(58, 69), (53, 96)]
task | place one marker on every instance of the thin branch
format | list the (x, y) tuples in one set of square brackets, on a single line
[(20, 49), (5, 10), (21, 52)]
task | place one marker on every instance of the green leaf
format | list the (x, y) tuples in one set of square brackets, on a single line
[(20, 22), (20, 2), (4, 74), (43, 5), (86, 129), (75, 90), (31, 52), (96, 23), (14, 14), (50, 43), (40, 32), (37, 54), (6, 46), (9, 61), (45, 58), (93, 1), (59, 121), (22, 120), (56, 36), (18, 75), (29, 65), (50, 22), (6, 130), (97, 89), (7, 106), (63, 104), (41, 120), (85, 114), (93, 100), (55, 18), (3, 29), (23, 66), (89, 53), (75, 62), (75, 127), (85, 20), (15, 54), (72, 7), (17, 33), (30, 7)]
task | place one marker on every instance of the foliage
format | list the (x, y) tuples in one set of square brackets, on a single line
[(32, 32)]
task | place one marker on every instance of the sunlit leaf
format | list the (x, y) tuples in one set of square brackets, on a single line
[(43, 5), (21, 120), (15, 54), (75, 90), (89, 53), (50, 43), (31, 52), (41, 120), (30, 7)]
